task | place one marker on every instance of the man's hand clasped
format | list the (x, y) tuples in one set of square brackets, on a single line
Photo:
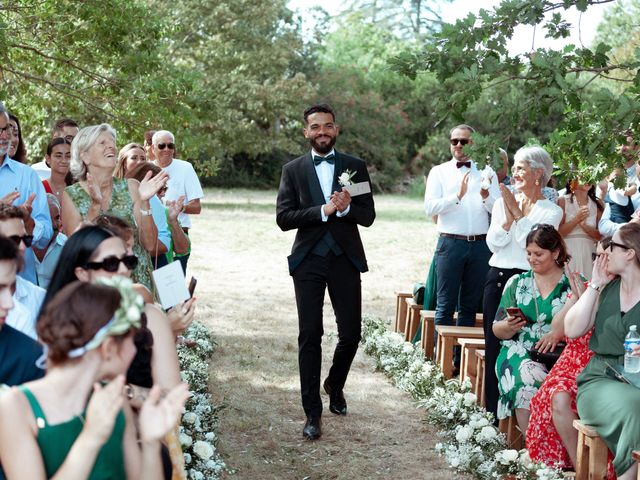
[(338, 203)]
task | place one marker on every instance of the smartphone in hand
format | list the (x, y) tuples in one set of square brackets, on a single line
[(192, 285), (517, 313)]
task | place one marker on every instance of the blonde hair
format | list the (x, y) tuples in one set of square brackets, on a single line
[(121, 165)]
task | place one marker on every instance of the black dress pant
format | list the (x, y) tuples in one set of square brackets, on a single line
[(313, 276), (494, 285)]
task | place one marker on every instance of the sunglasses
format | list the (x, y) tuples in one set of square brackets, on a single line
[(111, 264), (545, 227), (170, 146), (461, 141), (26, 239), (610, 243)]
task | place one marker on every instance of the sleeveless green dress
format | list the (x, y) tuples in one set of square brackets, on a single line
[(55, 441), (121, 206), (608, 405)]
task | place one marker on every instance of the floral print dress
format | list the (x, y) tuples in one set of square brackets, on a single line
[(519, 377), (121, 206)]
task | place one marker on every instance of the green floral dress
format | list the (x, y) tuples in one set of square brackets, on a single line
[(121, 206), (519, 377)]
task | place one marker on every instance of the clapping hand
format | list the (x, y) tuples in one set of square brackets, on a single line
[(341, 200), (93, 189), (181, 316), (601, 275), (510, 202), (575, 281), (582, 215), (9, 198), (27, 208), (175, 208), (159, 415), (464, 186), (103, 409), (150, 186)]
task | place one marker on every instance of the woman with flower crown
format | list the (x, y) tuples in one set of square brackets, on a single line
[(540, 294), (75, 423)]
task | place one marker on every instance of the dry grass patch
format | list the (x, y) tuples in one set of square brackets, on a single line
[(246, 295)]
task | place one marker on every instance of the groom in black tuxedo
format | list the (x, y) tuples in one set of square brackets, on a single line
[(326, 254)]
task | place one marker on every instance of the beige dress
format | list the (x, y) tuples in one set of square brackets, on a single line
[(579, 243)]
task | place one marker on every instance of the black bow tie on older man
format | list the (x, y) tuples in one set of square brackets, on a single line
[(317, 159), (463, 164)]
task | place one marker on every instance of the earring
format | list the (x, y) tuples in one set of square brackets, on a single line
[(537, 182)]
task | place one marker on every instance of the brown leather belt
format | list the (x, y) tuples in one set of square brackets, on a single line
[(468, 238)]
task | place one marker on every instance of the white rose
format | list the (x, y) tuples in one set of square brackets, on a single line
[(185, 440), (203, 450), (196, 475), (344, 178), (187, 458), (189, 417), (133, 313), (505, 457), (210, 436), (470, 399), (463, 434), (486, 433)]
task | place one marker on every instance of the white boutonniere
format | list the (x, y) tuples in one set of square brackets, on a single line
[(345, 178)]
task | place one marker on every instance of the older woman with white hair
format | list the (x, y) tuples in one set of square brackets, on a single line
[(512, 218), (93, 158)]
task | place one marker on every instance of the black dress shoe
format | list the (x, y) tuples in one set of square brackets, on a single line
[(337, 403), (312, 430)]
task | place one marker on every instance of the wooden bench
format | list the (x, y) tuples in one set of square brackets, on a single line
[(509, 426), (401, 311), (479, 387), (412, 319), (468, 364), (447, 338), (591, 463), (428, 321)]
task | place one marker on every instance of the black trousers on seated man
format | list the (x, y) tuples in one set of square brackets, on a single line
[(337, 275)]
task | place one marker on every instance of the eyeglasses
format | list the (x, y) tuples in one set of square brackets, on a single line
[(26, 239), (610, 243), (170, 146), (111, 264), (461, 141), (595, 255)]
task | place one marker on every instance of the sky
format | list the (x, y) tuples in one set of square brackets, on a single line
[(523, 36)]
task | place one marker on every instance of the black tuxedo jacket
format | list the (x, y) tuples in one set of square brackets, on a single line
[(298, 206)]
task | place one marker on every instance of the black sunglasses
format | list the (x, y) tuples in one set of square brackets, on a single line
[(461, 141), (111, 264), (27, 239), (170, 146), (545, 227), (610, 243)]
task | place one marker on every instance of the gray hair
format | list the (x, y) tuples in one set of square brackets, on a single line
[(3, 109), (162, 133), (538, 159), (462, 126), (83, 142), (53, 200)]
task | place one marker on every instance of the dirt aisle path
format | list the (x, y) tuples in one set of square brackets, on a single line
[(246, 295)]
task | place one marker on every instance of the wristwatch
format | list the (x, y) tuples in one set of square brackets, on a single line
[(145, 213), (595, 286)]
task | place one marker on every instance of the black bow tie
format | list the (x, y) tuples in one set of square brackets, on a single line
[(317, 159), (463, 164)]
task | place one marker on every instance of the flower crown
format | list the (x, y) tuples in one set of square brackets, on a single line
[(126, 316)]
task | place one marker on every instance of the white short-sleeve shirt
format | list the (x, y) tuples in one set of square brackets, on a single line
[(182, 181)]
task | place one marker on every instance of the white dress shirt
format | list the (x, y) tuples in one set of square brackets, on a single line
[(466, 216), (27, 300), (325, 171), (509, 247)]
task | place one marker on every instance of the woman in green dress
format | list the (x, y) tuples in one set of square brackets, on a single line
[(93, 158), (540, 293), (610, 306), (75, 422)]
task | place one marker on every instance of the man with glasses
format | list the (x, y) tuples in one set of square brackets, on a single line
[(183, 182), (27, 296), (64, 128), (454, 195), (20, 185)]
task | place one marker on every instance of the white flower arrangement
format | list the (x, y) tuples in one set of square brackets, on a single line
[(199, 421), (346, 177), (470, 443)]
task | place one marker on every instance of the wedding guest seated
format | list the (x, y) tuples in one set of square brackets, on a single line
[(512, 218), (28, 297), (610, 306), (540, 295), (75, 422), (93, 158), (18, 352), (58, 158), (174, 240), (47, 258), (551, 436), (17, 149), (579, 227)]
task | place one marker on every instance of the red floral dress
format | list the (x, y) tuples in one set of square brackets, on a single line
[(543, 441)]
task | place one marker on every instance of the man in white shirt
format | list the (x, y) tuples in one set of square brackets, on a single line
[(27, 296), (183, 181), (453, 193)]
